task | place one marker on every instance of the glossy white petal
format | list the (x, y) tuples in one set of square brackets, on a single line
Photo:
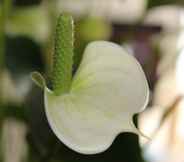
[(107, 90)]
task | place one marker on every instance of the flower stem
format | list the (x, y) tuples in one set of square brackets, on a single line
[(63, 55), (5, 9)]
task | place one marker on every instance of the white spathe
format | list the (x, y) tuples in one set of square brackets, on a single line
[(107, 90)]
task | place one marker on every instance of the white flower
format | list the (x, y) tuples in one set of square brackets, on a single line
[(107, 90)]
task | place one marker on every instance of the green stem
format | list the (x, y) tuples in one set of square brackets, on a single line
[(63, 55), (5, 10)]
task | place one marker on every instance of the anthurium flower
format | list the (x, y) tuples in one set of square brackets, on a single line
[(108, 88)]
